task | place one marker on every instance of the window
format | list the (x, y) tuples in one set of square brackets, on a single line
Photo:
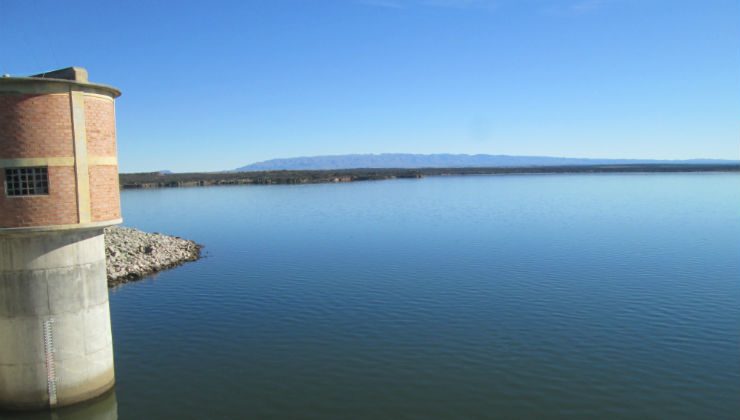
[(26, 181)]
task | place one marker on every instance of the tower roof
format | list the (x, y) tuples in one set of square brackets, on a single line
[(74, 76)]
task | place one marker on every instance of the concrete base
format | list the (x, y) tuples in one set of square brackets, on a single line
[(55, 336)]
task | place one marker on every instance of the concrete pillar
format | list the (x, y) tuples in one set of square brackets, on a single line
[(55, 336)]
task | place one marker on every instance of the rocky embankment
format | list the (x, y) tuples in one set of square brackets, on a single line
[(132, 254)]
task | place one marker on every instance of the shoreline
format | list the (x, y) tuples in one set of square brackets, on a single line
[(132, 254), (292, 177)]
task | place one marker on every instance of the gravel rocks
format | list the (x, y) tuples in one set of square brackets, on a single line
[(132, 254)]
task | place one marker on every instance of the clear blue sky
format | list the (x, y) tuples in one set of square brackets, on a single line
[(212, 85)]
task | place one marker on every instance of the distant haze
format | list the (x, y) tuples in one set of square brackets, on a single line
[(407, 160)]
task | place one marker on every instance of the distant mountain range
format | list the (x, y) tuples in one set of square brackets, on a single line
[(407, 160)]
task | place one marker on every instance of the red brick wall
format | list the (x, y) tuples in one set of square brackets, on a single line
[(57, 208), (40, 126), (104, 193), (101, 126), (101, 141), (35, 126)]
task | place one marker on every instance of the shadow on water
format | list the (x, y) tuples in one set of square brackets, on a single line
[(103, 408)]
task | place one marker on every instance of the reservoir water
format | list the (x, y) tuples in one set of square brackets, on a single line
[(520, 296)]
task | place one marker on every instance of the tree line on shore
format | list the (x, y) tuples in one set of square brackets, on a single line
[(163, 180)]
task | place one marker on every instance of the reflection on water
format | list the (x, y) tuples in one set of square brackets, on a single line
[(102, 408)]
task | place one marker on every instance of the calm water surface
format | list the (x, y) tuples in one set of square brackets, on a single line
[(529, 296)]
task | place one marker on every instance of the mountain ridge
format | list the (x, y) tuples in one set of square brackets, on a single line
[(446, 160)]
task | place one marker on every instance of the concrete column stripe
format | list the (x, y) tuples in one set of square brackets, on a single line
[(77, 103)]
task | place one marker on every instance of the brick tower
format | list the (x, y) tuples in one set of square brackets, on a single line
[(59, 172)]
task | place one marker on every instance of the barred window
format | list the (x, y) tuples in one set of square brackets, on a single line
[(26, 181)]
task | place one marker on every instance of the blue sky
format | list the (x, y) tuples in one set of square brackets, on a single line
[(216, 85)]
